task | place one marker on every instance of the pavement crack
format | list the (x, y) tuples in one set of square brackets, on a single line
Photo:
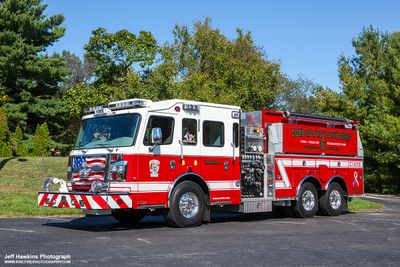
[(335, 221), (358, 227)]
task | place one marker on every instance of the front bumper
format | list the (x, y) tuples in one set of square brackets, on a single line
[(89, 201)]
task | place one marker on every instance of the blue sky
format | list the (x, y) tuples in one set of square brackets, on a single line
[(307, 37)]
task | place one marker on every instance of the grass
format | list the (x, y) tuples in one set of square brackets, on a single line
[(21, 179), (359, 204)]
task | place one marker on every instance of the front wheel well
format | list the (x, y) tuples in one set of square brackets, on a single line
[(193, 178)]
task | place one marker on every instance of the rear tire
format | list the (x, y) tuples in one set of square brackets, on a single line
[(332, 203), (187, 205), (128, 216), (307, 201)]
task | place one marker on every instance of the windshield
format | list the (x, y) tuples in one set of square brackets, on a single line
[(108, 131)]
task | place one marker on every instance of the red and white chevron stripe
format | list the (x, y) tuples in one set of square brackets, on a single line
[(84, 201)]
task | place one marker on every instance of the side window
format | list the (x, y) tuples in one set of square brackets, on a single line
[(167, 127), (189, 132), (213, 133), (235, 132)]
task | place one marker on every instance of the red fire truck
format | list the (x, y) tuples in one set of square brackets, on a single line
[(184, 158)]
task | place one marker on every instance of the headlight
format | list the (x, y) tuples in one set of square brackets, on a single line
[(121, 169), (98, 186), (118, 170)]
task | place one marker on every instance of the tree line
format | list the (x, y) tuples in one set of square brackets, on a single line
[(42, 95)]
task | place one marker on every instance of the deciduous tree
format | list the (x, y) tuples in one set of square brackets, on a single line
[(78, 70), (203, 64), (118, 54)]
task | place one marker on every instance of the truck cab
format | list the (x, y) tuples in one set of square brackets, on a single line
[(134, 153)]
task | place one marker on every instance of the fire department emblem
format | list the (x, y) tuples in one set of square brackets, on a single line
[(154, 167)]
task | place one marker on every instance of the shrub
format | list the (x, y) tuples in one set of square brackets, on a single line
[(5, 150), (4, 130), (20, 148), (42, 141)]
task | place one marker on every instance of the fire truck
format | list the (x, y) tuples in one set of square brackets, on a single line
[(185, 158)]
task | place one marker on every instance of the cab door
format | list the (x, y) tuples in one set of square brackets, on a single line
[(218, 161), (157, 165), (190, 154)]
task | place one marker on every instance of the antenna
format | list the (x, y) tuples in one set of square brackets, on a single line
[(42, 165)]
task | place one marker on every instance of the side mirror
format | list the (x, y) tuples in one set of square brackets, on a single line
[(156, 136)]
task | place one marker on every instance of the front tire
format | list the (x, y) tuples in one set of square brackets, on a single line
[(307, 201), (187, 205), (128, 216), (332, 203)]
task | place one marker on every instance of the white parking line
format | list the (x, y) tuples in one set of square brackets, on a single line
[(289, 222), (54, 218), (17, 230), (375, 198), (144, 240), (383, 198)]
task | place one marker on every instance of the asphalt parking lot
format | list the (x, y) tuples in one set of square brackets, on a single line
[(355, 239)]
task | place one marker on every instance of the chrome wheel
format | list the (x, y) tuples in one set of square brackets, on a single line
[(189, 205), (332, 202), (335, 199), (308, 200)]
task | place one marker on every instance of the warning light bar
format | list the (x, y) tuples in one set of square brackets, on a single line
[(130, 103), (95, 110), (190, 107)]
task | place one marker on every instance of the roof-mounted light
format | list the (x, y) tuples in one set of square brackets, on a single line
[(190, 107), (95, 110), (129, 103)]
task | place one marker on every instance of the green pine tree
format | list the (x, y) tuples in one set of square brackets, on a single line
[(18, 143), (29, 77), (370, 82), (42, 141)]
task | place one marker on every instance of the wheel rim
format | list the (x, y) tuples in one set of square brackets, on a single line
[(308, 200), (335, 199), (189, 205)]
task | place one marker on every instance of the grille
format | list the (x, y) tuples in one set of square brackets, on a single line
[(86, 169)]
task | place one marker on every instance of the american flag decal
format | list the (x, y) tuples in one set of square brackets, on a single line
[(88, 168)]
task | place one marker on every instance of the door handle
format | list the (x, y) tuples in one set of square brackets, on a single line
[(181, 143), (233, 151)]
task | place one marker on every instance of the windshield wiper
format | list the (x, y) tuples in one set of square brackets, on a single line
[(88, 146), (102, 145)]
